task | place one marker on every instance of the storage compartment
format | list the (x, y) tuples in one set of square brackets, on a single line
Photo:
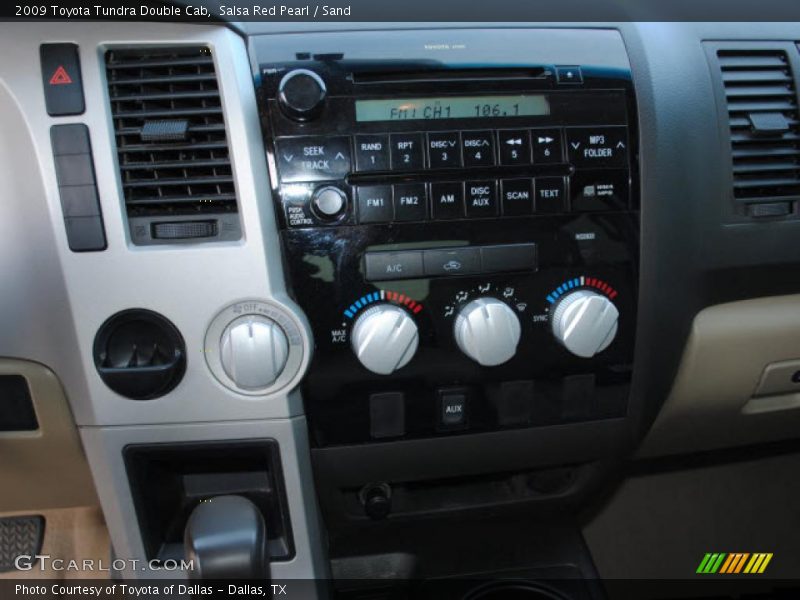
[(168, 480)]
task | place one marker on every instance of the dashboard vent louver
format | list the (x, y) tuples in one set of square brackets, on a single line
[(171, 143), (763, 115)]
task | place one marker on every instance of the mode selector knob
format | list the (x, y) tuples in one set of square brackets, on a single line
[(384, 338), (329, 202), (487, 331), (585, 322), (253, 351), (301, 94)]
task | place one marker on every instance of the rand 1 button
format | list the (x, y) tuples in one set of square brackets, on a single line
[(593, 147), (517, 197), (601, 189), (410, 202), (313, 158), (407, 151), (447, 200), (384, 266), (550, 194), (444, 149), (452, 261), (478, 148), (508, 257), (372, 153), (514, 146), (548, 146), (481, 198), (375, 203)]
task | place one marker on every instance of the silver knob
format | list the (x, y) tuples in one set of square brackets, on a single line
[(329, 202), (384, 338), (253, 351), (487, 331), (585, 322), (301, 94)]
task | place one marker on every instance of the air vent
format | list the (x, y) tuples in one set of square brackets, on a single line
[(171, 143), (762, 110)]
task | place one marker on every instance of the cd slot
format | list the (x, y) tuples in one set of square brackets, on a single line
[(443, 74)]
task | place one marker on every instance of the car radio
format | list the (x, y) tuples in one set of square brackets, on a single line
[(463, 238)]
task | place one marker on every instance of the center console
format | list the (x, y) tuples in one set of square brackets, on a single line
[(462, 234)]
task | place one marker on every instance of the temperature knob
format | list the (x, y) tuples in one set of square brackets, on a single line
[(301, 94), (384, 338), (585, 322), (487, 331), (253, 351)]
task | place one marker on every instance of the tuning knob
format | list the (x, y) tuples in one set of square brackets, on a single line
[(585, 322), (253, 351), (487, 331), (301, 94), (384, 338)]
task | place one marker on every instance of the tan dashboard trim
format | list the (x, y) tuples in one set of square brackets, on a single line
[(47, 468), (712, 402)]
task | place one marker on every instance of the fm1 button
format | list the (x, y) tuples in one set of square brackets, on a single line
[(384, 266), (551, 195), (481, 198), (375, 204), (409, 202)]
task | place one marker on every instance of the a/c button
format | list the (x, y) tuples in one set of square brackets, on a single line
[(383, 266)]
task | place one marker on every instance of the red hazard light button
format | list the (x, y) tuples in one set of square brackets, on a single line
[(61, 77)]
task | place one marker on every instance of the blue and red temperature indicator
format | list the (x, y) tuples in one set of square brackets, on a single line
[(581, 282), (385, 296)]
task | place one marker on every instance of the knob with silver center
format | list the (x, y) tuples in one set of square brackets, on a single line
[(384, 338), (487, 331), (329, 202), (253, 351), (585, 322)]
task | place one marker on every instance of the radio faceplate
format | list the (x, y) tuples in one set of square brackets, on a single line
[(464, 242)]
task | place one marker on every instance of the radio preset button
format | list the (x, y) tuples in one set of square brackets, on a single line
[(551, 194), (444, 149), (374, 203), (593, 147), (410, 203), (548, 146), (455, 261), (407, 151), (372, 152), (514, 146), (385, 266), (478, 148), (481, 198), (448, 200), (314, 158), (517, 195)]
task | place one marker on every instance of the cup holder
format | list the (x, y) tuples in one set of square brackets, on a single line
[(513, 590)]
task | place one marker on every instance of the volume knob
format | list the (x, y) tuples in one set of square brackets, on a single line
[(487, 331), (384, 338), (585, 323), (301, 94)]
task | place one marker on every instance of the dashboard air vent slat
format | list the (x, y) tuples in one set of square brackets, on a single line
[(171, 138), (759, 88)]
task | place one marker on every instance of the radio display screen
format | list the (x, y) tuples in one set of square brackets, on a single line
[(452, 107)]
